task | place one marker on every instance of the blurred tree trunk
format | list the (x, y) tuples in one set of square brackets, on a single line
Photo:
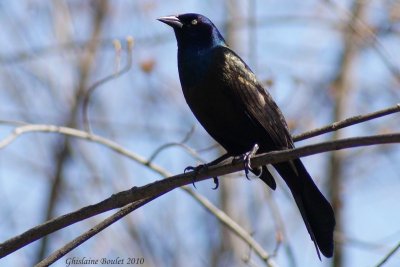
[(62, 151), (341, 88)]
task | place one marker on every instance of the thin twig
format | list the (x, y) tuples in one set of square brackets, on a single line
[(181, 143), (12, 122), (119, 149), (366, 29), (97, 84), (208, 148), (75, 46), (232, 225), (190, 150), (93, 231), (347, 122), (161, 187), (30, 128), (390, 254), (226, 220), (223, 217), (18, 131)]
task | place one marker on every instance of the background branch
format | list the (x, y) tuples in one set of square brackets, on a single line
[(92, 88), (347, 122), (54, 51), (93, 231), (387, 257), (161, 187), (228, 222)]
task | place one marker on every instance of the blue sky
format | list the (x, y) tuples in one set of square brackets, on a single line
[(297, 47)]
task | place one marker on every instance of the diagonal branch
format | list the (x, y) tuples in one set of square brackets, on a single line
[(27, 128), (159, 188), (390, 254), (97, 84), (347, 122), (219, 214), (87, 212), (93, 231)]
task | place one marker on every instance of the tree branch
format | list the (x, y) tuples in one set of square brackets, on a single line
[(93, 231), (347, 122), (97, 84), (27, 128), (225, 219), (219, 214), (158, 188), (114, 202), (390, 254)]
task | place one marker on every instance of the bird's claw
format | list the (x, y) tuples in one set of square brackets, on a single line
[(196, 170), (247, 160), (216, 182)]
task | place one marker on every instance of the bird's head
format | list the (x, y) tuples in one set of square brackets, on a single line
[(194, 31)]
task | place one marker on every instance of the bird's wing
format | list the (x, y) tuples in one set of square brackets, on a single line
[(241, 83)]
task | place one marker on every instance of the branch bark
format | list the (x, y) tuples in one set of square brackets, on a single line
[(159, 188), (68, 219), (387, 257)]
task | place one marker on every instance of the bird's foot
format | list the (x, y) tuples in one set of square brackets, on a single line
[(196, 170), (247, 160), (216, 182)]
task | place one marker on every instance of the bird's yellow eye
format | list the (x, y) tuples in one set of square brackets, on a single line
[(194, 22)]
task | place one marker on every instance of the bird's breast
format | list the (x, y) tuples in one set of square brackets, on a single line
[(211, 101)]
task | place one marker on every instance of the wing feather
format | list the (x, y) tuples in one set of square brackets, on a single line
[(241, 83)]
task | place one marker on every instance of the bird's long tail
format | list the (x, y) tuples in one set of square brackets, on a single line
[(316, 211)]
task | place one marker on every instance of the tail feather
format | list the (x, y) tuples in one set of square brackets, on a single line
[(316, 211), (264, 174)]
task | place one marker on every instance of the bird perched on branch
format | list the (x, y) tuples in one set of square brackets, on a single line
[(233, 107)]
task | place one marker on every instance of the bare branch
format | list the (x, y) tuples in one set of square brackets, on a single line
[(231, 224), (222, 216), (27, 128), (75, 46), (18, 131), (226, 220), (347, 122), (68, 219), (158, 188), (93, 231), (181, 144), (390, 254), (86, 99), (363, 30)]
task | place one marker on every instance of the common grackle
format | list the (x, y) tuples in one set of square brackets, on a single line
[(233, 107)]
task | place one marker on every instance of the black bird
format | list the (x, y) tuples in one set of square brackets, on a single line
[(233, 107)]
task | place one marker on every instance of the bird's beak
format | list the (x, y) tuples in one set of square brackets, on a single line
[(172, 21)]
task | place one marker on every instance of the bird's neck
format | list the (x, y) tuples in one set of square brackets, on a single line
[(199, 46), (196, 51)]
